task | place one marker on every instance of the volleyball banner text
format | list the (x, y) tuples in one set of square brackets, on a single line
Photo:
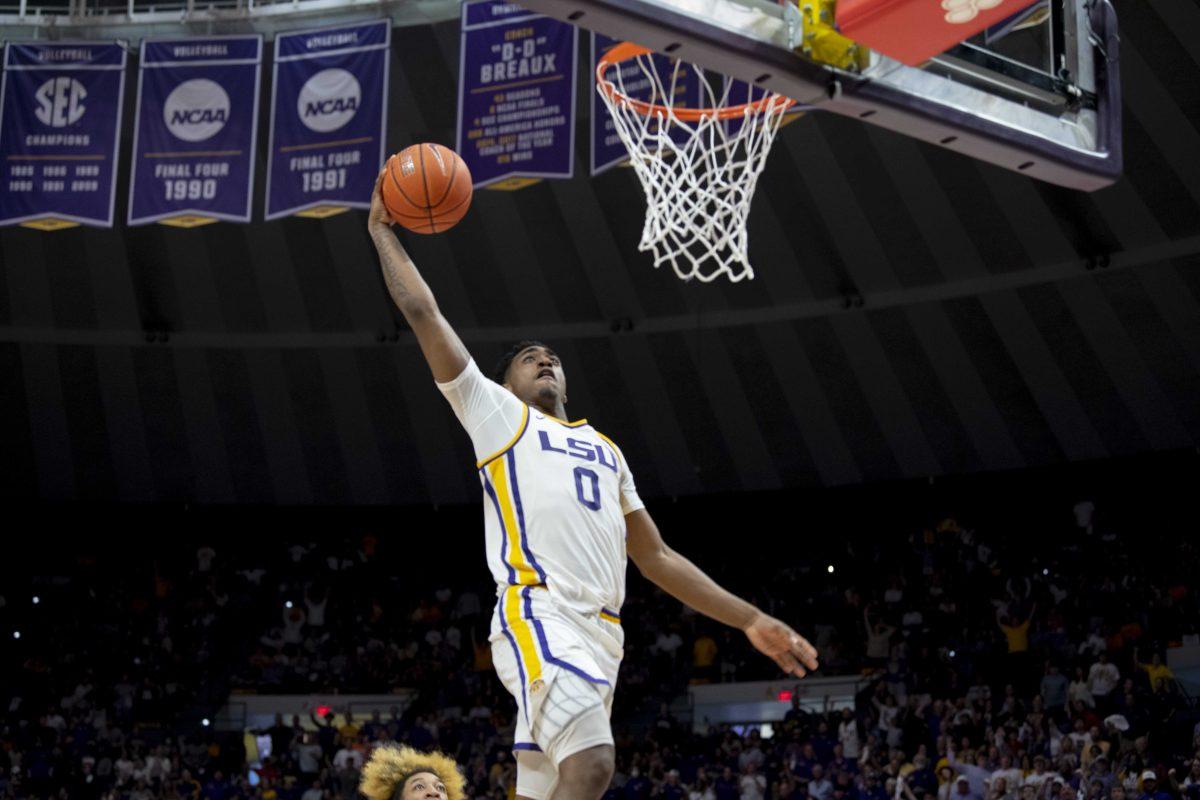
[(60, 119), (195, 130), (327, 119)]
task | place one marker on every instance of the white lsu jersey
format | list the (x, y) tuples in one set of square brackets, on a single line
[(555, 498)]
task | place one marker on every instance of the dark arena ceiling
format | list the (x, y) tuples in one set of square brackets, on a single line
[(278, 371)]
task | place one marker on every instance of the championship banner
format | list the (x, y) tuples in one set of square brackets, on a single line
[(327, 119), (60, 119), (195, 131), (607, 149), (516, 95)]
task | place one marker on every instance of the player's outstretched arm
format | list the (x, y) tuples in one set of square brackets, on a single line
[(444, 351), (683, 580)]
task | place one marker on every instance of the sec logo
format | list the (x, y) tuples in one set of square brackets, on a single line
[(60, 102)]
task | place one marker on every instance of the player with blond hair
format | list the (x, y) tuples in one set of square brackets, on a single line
[(562, 516), (400, 773)]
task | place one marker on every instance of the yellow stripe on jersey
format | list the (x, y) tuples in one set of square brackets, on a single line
[(575, 424), (498, 473), (516, 438), (616, 450), (522, 631), (610, 617)]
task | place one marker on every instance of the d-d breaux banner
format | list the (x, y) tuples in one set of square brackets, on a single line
[(60, 115), (195, 130), (516, 95), (327, 119)]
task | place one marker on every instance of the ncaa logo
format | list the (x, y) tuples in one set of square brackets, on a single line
[(196, 110), (60, 102), (329, 100)]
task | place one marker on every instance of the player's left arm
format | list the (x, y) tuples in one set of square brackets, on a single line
[(683, 580)]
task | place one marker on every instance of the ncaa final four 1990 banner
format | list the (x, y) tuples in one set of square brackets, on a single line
[(193, 144), (516, 95), (60, 114), (327, 119)]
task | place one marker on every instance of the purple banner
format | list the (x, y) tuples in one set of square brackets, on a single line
[(327, 119), (195, 132), (516, 95), (607, 149), (60, 116)]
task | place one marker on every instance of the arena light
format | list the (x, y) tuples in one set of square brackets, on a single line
[(785, 696), (36, 599), (288, 604), (205, 722), (829, 569), (16, 634), (322, 710)]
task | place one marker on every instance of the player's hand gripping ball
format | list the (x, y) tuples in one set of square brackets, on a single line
[(426, 188)]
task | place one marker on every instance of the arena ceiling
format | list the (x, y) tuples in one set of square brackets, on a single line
[(279, 373)]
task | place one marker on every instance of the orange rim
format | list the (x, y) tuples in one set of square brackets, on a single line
[(626, 51)]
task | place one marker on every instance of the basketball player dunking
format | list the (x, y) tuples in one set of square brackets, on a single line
[(561, 515)]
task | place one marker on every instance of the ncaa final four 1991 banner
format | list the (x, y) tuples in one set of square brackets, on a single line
[(193, 144), (327, 119), (516, 95), (60, 114)]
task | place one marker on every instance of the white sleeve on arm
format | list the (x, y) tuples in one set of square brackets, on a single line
[(491, 414), (630, 502)]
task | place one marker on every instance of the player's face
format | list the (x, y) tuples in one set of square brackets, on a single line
[(424, 786), (536, 376)]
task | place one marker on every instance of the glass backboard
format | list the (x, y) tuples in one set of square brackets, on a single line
[(1038, 92)]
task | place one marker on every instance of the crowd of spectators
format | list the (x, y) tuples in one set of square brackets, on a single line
[(994, 667)]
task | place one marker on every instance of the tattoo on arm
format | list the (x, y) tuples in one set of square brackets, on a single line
[(404, 283)]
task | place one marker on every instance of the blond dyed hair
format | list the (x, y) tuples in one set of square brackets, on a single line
[(391, 765)]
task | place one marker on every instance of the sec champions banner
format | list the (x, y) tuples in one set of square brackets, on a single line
[(60, 114), (516, 95), (327, 119), (607, 148), (194, 137)]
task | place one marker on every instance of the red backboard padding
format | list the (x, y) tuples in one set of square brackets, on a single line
[(912, 31)]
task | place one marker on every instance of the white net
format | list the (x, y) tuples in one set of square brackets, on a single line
[(698, 170)]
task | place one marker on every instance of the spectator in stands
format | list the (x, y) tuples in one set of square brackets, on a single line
[(308, 755), (1103, 678), (1016, 636), (879, 638), (327, 733), (820, 787), (848, 735), (1079, 691), (1054, 688), (977, 774), (753, 785), (1150, 790), (1158, 673)]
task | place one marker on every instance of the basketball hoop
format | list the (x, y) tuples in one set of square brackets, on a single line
[(698, 166)]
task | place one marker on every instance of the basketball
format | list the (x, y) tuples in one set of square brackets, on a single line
[(427, 188)]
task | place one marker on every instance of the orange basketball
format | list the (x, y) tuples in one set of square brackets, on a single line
[(427, 188)]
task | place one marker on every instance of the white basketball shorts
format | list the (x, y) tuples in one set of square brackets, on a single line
[(561, 669)]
